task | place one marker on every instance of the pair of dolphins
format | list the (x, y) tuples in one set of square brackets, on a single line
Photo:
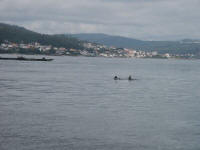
[(129, 78)]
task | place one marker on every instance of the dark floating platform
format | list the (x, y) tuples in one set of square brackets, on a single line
[(25, 59)]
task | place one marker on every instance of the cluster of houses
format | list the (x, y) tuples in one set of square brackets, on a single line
[(104, 51), (89, 49), (7, 46)]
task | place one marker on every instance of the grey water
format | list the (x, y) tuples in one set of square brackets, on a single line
[(73, 103)]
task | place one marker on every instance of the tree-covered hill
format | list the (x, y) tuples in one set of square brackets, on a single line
[(18, 34), (173, 47)]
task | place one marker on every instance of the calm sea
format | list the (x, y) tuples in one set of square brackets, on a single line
[(73, 103)]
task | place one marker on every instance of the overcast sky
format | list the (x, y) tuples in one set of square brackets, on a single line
[(141, 19)]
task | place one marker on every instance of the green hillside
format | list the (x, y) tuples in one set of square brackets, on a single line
[(18, 34), (173, 47)]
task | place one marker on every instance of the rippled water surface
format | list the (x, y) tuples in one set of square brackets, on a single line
[(74, 103)]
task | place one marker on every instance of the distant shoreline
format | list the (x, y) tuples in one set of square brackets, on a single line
[(21, 54)]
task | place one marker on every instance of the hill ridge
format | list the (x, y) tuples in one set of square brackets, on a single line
[(14, 33), (173, 47)]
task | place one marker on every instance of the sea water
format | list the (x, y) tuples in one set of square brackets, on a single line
[(73, 103)]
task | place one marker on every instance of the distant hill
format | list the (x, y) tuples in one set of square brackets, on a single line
[(190, 41), (174, 47), (18, 34), (109, 40)]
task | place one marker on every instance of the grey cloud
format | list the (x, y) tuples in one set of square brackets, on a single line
[(143, 19), (131, 1)]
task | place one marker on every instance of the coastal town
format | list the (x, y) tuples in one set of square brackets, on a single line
[(89, 50)]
